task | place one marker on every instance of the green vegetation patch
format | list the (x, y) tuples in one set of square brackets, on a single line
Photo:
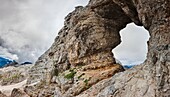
[(86, 81), (71, 74), (13, 77), (1, 76)]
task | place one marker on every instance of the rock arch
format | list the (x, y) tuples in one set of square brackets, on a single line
[(83, 48), (133, 47)]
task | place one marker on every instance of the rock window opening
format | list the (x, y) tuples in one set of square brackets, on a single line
[(133, 47)]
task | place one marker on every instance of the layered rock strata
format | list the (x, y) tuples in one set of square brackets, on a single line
[(80, 62)]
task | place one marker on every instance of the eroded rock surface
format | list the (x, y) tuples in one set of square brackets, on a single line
[(80, 62), (81, 54)]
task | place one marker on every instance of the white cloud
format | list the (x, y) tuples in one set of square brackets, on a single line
[(133, 48), (28, 28), (5, 53)]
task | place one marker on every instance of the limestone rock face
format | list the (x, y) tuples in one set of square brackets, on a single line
[(87, 38), (80, 62)]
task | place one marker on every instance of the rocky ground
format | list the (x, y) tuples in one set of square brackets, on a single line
[(13, 77)]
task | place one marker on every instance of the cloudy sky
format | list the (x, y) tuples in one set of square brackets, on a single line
[(28, 28)]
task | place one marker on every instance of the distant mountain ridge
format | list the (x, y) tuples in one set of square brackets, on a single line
[(5, 61), (128, 66)]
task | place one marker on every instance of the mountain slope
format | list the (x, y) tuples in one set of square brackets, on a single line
[(4, 61)]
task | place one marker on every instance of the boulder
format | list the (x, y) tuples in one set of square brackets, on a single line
[(18, 93)]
